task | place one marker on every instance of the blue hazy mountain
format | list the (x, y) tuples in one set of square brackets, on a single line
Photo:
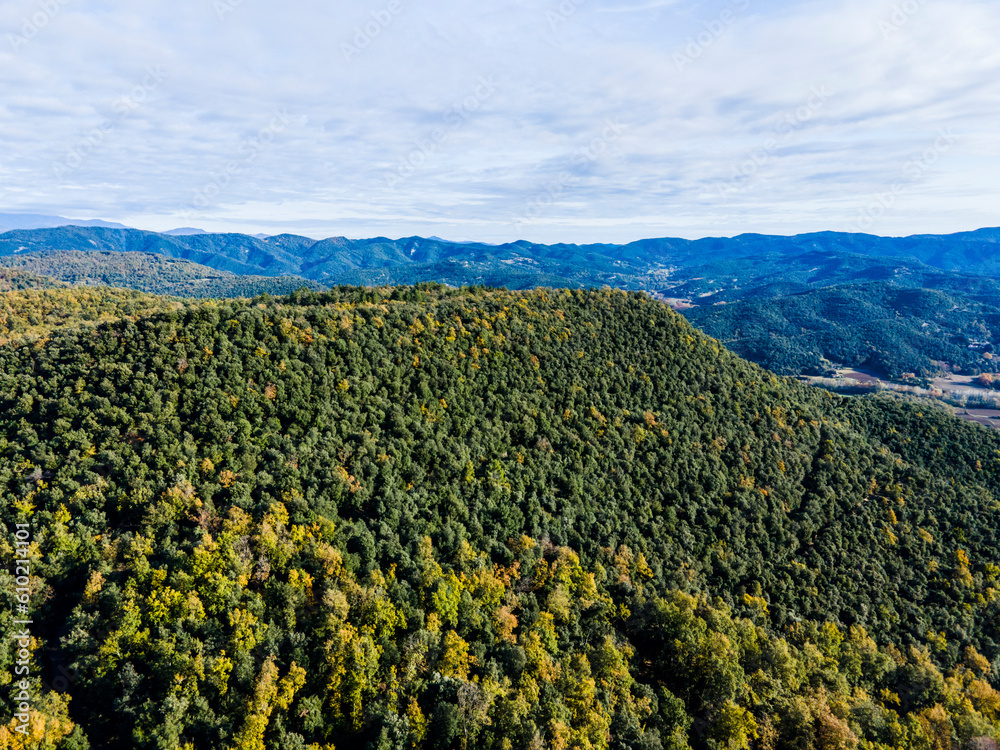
[(185, 231), (43, 221), (654, 264)]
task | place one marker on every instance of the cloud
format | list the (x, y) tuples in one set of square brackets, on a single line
[(655, 5), (377, 91)]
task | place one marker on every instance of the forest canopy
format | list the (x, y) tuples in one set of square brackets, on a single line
[(886, 329), (444, 518)]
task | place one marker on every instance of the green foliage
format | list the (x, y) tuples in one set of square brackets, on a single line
[(148, 272), (887, 329), (37, 312), (13, 280), (423, 517)]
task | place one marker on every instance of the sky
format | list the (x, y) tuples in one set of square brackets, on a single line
[(496, 120)]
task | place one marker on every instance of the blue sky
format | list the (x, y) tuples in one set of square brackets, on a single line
[(549, 120)]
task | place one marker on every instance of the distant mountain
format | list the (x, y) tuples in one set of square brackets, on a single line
[(654, 265), (182, 231), (970, 252), (41, 221), (374, 261)]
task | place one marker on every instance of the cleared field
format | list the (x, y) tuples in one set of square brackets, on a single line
[(958, 393)]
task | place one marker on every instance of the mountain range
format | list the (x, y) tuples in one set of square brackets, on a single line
[(648, 264)]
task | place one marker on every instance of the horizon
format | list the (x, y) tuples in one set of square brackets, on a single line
[(180, 231)]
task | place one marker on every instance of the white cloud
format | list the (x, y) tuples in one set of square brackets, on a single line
[(654, 5), (407, 100)]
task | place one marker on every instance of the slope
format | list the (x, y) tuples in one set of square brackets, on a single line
[(34, 313), (17, 280), (886, 329), (152, 273)]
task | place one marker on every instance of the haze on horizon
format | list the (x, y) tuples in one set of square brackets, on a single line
[(547, 120)]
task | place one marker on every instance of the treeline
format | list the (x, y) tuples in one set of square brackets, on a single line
[(433, 517)]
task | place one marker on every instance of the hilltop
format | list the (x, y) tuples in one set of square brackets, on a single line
[(799, 305)]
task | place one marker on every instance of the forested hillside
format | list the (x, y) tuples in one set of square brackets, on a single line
[(152, 273), (888, 329), (15, 280), (433, 518), (36, 312)]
